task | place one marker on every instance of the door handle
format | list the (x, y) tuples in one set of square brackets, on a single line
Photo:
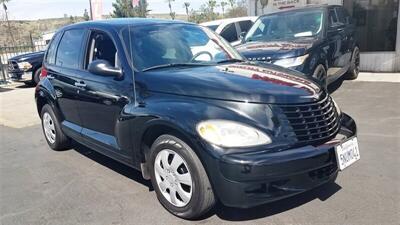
[(50, 77), (80, 84)]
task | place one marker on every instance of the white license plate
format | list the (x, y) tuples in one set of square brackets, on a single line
[(347, 153)]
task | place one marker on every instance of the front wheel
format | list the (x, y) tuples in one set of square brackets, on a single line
[(36, 76), (354, 69), (320, 74), (179, 179)]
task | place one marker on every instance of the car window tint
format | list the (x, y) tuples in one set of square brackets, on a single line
[(230, 33), (69, 48), (51, 52), (332, 17), (245, 25), (101, 47), (343, 16)]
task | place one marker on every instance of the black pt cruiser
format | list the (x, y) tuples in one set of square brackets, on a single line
[(178, 103)]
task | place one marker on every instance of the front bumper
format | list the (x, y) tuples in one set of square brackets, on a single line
[(249, 179)]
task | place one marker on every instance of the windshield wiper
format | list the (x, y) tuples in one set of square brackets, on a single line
[(173, 65), (230, 60)]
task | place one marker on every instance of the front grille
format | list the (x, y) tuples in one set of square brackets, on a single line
[(12, 65), (323, 172), (312, 123)]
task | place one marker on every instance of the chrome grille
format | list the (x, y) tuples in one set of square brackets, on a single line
[(12, 65), (312, 123)]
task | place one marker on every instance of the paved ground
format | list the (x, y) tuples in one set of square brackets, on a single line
[(40, 186)]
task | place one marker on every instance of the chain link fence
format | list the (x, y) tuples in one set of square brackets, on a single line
[(7, 52)]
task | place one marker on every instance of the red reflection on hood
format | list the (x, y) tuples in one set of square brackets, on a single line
[(275, 77)]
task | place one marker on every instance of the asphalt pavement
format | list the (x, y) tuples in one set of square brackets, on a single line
[(79, 186)]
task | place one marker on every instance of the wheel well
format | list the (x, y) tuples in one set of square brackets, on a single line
[(36, 69), (40, 102), (155, 131)]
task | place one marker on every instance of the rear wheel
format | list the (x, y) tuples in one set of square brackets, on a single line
[(320, 74), (354, 69), (36, 76), (179, 179), (51, 126)]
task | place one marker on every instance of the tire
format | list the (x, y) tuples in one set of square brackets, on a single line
[(320, 74), (201, 198), (354, 69), (36, 76), (51, 127)]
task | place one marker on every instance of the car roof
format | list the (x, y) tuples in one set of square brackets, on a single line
[(123, 22), (229, 20), (302, 9)]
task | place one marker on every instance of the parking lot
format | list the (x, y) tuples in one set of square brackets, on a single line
[(79, 186)]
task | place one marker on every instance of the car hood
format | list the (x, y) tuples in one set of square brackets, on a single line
[(28, 56), (273, 50), (244, 82)]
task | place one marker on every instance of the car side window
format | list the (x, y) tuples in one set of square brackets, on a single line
[(230, 33), (51, 52), (245, 25), (343, 16), (332, 17), (69, 49), (101, 47)]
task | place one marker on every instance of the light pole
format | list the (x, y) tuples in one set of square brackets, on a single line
[(91, 11)]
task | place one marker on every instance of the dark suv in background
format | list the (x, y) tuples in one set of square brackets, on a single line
[(316, 40), (177, 102)]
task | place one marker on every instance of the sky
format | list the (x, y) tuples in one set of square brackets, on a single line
[(41, 9)]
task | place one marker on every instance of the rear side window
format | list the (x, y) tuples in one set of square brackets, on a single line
[(70, 48), (51, 52), (332, 17), (343, 16), (245, 25), (230, 33)]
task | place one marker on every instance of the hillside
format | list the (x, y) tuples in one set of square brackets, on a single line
[(21, 29)]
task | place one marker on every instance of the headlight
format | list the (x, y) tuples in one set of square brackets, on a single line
[(290, 62), (226, 133), (24, 66), (337, 107)]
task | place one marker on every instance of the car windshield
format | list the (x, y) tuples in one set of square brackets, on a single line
[(286, 26), (158, 46)]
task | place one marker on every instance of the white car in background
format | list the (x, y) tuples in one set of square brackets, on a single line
[(231, 28)]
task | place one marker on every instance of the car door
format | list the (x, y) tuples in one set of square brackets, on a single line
[(336, 38), (62, 65), (102, 98), (348, 41)]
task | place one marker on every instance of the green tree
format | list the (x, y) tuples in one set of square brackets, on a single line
[(171, 13), (232, 3), (86, 15), (223, 4), (124, 8), (186, 5)]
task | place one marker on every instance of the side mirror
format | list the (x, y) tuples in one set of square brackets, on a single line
[(104, 68), (337, 27)]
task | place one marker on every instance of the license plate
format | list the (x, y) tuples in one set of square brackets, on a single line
[(347, 153)]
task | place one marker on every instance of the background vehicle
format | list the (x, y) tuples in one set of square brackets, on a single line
[(316, 40), (231, 29), (26, 67), (201, 129)]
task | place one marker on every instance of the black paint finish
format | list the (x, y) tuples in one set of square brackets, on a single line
[(121, 116)]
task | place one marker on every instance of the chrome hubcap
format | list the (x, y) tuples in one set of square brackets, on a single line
[(173, 177), (49, 129)]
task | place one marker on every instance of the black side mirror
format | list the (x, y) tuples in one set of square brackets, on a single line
[(104, 68), (337, 27)]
